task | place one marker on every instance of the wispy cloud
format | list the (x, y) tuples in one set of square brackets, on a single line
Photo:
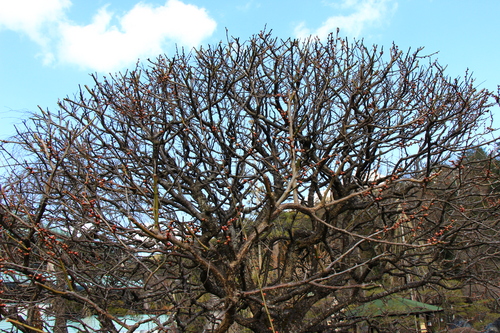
[(110, 41), (360, 15), (248, 6), (34, 18)]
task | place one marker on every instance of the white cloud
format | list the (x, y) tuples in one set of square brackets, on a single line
[(36, 18), (29, 16), (142, 32), (363, 14), (109, 42)]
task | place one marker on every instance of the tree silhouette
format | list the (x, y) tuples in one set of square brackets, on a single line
[(264, 184)]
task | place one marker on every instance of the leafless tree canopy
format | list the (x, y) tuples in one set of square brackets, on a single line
[(267, 185)]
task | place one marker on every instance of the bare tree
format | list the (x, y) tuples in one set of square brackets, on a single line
[(269, 184)]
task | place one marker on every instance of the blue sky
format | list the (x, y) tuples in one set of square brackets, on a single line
[(49, 47)]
